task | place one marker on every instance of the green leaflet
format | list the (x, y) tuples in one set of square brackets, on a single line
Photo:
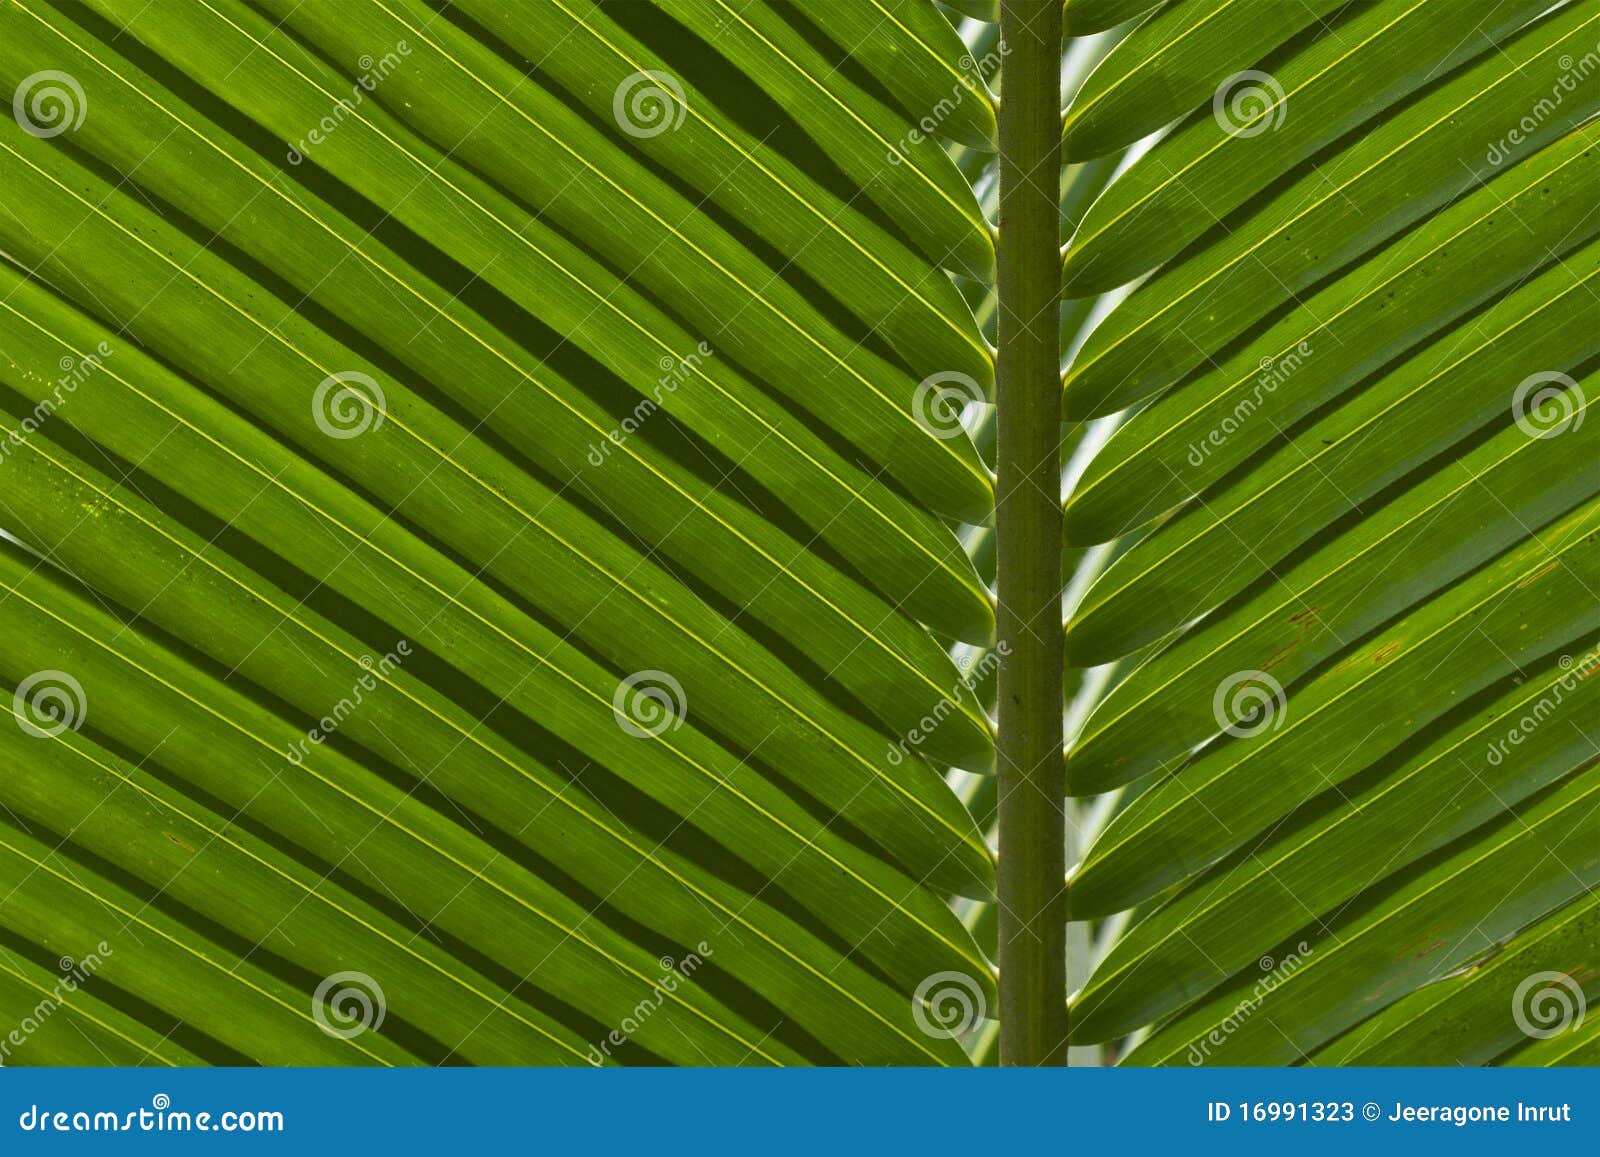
[(1530, 732), (70, 1023), (720, 540), (274, 501), (921, 190), (1545, 978), (1087, 16), (1181, 57), (1429, 537), (227, 746), (1427, 923), (1417, 160), (1472, 382), (1285, 750), (180, 850), (1215, 162), (465, 475), (911, 48), (1484, 245), (817, 227), (466, 100)]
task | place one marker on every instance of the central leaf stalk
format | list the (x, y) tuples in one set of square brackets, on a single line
[(1028, 540)]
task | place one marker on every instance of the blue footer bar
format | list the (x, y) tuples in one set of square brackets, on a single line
[(709, 1111)]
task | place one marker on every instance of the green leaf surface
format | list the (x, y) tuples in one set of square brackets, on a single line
[(1181, 57), (1221, 158), (1538, 990), (1449, 912), (1410, 164), (1284, 750), (1482, 247), (1525, 735)]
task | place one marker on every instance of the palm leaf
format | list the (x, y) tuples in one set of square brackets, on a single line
[(1357, 500), (611, 705)]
